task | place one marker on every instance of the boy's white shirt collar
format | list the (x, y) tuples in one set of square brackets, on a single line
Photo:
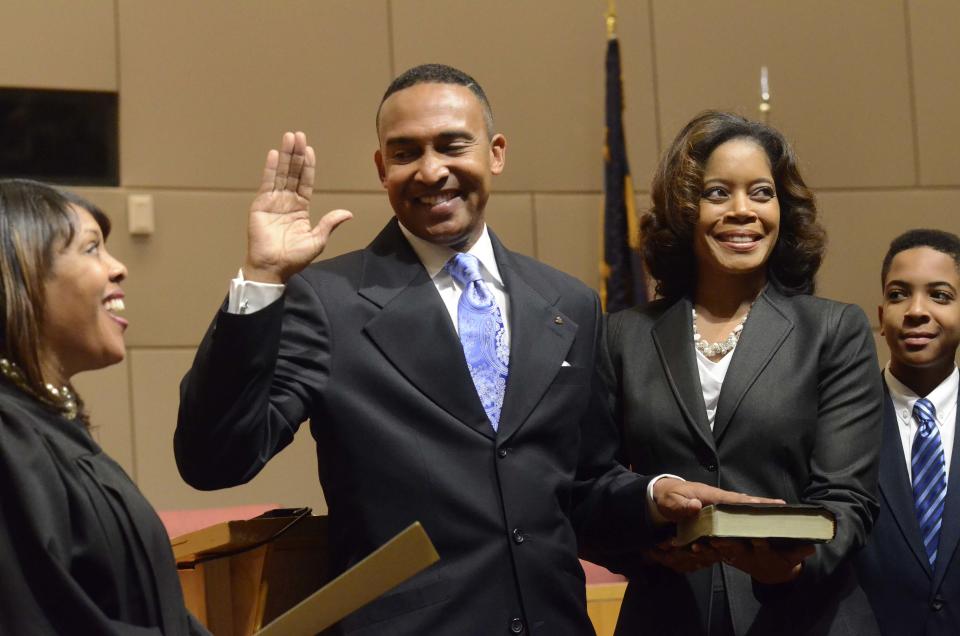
[(943, 397)]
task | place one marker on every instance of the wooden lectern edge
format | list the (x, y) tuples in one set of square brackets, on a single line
[(400, 558), (226, 536)]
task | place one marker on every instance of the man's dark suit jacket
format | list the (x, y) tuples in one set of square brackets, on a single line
[(798, 418), (908, 597), (363, 346)]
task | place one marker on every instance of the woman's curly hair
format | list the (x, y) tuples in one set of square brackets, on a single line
[(666, 230)]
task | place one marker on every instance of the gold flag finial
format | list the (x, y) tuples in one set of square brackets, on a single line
[(611, 19), (764, 94)]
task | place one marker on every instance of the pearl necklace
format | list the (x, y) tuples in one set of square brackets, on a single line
[(721, 348), (60, 398)]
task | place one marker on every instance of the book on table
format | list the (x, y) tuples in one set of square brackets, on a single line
[(801, 523)]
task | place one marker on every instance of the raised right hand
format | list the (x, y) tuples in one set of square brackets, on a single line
[(280, 238)]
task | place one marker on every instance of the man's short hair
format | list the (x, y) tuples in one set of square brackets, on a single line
[(939, 240), (439, 74)]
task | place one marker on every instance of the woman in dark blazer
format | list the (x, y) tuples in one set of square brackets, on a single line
[(81, 550), (738, 377)]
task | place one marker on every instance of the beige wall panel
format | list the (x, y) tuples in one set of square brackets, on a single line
[(934, 25), (289, 480), (208, 87), (370, 213), (511, 217), (180, 274), (58, 44), (838, 77), (541, 63), (106, 393), (860, 227), (568, 234)]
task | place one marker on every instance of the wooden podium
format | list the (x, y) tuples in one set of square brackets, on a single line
[(236, 595), (281, 586)]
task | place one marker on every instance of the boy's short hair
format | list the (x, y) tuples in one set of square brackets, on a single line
[(939, 240)]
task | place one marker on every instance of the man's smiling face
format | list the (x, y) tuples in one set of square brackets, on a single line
[(437, 160)]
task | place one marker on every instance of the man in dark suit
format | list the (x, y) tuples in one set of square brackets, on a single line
[(910, 567), (447, 380)]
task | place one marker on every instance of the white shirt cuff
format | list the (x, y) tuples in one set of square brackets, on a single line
[(651, 504), (247, 296)]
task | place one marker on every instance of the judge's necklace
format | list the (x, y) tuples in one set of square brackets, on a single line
[(61, 398), (722, 347)]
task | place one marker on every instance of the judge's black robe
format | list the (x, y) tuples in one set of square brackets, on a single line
[(81, 550)]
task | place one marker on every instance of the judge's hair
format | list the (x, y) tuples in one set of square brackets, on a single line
[(439, 74), (36, 220), (667, 229), (944, 242)]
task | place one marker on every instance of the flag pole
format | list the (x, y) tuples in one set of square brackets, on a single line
[(611, 19)]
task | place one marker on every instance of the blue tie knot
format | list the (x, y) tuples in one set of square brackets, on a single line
[(926, 415), (465, 268)]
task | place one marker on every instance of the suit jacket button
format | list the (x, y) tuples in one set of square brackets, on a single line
[(516, 626), (501, 453), (558, 320), (712, 467), (937, 604), (518, 537)]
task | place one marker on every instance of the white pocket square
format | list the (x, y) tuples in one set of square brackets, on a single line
[(565, 364)]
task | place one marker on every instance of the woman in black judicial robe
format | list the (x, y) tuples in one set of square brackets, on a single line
[(81, 550)]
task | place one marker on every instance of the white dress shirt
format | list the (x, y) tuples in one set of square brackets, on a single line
[(711, 381), (434, 257), (248, 296), (944, 400)]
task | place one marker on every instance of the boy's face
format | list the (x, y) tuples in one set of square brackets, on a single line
[(920, 314)]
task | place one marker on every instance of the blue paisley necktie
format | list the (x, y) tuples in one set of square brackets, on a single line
[(481, 334), (929, 477)]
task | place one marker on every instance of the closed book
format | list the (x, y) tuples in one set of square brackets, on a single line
[(795, 522)]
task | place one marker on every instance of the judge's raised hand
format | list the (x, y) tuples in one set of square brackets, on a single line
[(677, 499), (280, 238)]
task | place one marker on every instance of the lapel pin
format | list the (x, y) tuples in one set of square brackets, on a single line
[(558, 320)]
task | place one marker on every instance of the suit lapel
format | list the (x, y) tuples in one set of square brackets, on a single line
[(413, 329), (950, 530), (895, 484), (540, 338), (763, 333), (673, 338)]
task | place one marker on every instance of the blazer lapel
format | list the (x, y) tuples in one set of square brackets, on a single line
[(540, 338), (763, 333), (895, 484), (950, 530), (673, 338), (413, 329)]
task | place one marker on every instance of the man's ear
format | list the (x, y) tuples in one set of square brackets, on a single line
[(880, 317), (378, 159), (498, 153)]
